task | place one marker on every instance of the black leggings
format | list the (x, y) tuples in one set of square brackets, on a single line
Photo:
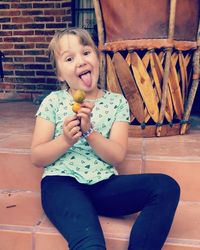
[(74, 208)]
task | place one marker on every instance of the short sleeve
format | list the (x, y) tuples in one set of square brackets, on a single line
[(123, 112), (47, 109)]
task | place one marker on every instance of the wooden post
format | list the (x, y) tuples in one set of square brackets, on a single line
[(101, 40), (195, 84), (167, 66)]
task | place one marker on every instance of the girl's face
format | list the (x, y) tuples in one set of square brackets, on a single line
[(77, 64)]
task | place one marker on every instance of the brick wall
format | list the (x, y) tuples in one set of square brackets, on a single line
[(26, 27)]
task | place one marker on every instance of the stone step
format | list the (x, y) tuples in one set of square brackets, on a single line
[(23, 223)]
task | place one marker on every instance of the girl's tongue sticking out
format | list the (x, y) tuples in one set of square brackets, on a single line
[(87, 79)]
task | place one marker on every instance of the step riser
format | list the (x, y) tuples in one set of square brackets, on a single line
[(51, 241), (180, 247), (15, 240), (17, 172), (185, 173), (23, 212)]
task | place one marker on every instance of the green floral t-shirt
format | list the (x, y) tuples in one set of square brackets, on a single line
[(80, 161)]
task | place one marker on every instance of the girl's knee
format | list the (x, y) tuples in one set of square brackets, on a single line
[(169, 186)]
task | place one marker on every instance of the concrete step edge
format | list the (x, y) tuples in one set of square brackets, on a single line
[(23, 151), (33, 229), (181, 242), (189, 160)]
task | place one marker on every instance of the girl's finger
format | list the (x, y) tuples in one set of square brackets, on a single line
[(89, 105), (77, 135), (75, 130), (69, 119), (86, 111), (72, 123), (85, 116)]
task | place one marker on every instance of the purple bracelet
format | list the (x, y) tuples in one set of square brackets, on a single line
[(87, 133)]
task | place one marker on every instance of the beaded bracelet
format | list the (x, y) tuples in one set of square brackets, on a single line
[(88, 133)]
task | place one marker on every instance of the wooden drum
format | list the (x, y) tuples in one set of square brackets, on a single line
[(150, 53)]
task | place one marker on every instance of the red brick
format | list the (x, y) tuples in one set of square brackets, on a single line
[(54, 12), (7, 86), (24, 59), (22, 19), (24, 46), (21, 5), (6, 46), (13, 66), (9, 13), (32, 13), (23, 32), (13, 39), (13, 52), (37, 39), (5, 33)]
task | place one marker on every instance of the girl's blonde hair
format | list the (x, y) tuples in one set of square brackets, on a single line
[(84, 36)]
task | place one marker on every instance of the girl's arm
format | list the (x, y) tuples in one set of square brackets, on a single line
[(112, 150), (44, 149)]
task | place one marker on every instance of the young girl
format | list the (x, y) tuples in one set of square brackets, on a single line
[(79, 153)]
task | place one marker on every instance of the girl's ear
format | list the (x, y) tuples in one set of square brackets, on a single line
[(59, 77)]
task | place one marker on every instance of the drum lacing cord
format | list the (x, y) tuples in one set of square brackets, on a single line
[(159, 124), (184, 122), (143, 125), (168, 49), (170, 124), (151, 50), (131, 50)]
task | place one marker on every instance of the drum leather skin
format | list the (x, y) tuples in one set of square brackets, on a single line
[(148, 19)]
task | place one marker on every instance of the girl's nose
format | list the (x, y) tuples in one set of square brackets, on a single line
[(80, 61)]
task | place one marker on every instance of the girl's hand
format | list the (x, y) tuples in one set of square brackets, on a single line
[(84, 114), (72, 130)]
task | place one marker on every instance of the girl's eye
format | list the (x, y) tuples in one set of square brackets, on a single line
[(87, 52), (68, 59)]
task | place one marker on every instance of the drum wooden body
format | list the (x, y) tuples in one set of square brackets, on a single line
[(150, 54)]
